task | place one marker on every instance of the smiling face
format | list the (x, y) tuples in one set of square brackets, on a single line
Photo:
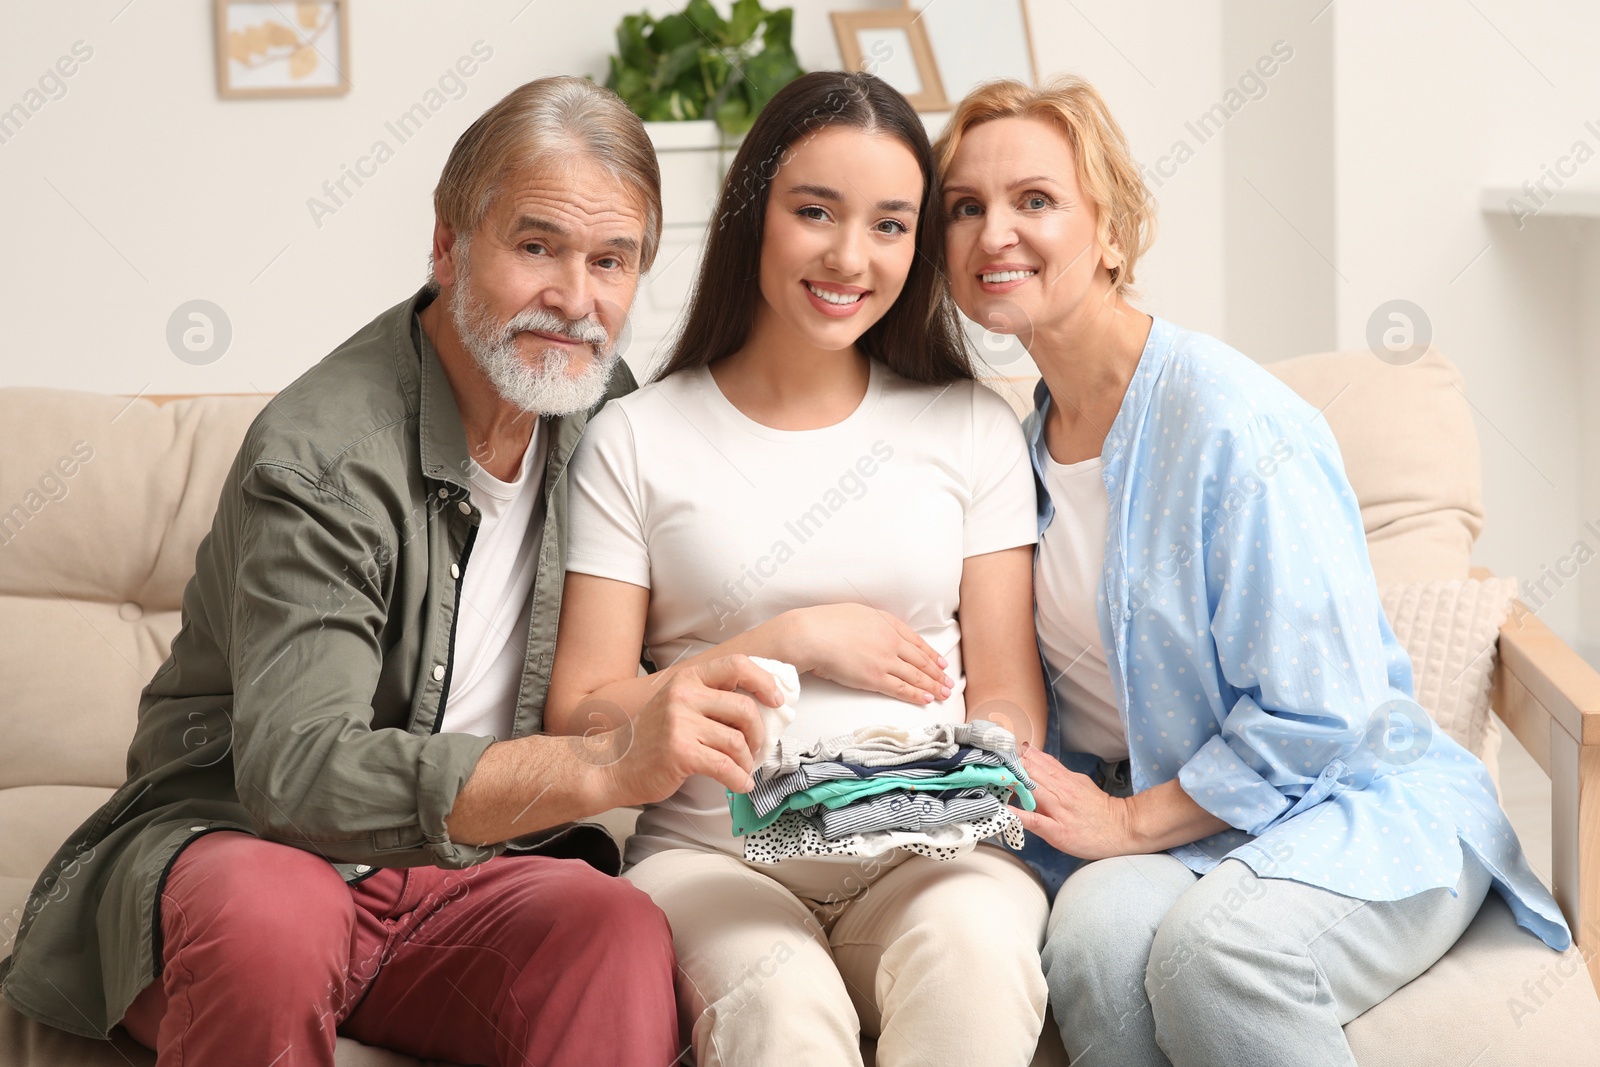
[(1020, 236), (540, 291), (839, 234)]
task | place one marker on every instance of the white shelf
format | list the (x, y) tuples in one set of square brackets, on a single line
[(1569, 202)]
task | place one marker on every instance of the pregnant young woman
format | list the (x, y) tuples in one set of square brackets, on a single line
[(815, 477)]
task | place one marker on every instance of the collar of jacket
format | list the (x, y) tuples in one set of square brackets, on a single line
[(1130, 416)]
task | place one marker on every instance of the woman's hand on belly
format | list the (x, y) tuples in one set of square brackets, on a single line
[(868, 649)]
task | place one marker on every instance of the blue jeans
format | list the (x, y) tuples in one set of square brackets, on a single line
[(1150, 965)]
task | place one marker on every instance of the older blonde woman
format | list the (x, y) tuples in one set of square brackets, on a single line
[(1262, 865)]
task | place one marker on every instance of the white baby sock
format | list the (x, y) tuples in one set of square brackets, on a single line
[(775, 721)]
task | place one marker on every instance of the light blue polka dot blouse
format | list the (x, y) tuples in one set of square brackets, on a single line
[(1251, 655)]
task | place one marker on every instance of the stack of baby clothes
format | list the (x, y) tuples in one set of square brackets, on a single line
[(936, 791)]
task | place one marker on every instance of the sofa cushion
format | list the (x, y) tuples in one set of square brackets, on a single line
[(103, 502), (107, 499), (1474, 1006), (1410, 451), (37, 818), (73, 671), (1452, 632)]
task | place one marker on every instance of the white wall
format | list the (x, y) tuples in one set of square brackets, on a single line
[(142, 190), (1279, 204), (1158, 63), (1435, 100), (139, 189)]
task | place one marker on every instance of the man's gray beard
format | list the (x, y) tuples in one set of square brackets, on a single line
[(545, 386)]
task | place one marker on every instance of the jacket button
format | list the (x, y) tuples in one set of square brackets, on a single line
[(362, 868), (438, 673), (444, 494), (196, 829), (455, 571), (466, 508)]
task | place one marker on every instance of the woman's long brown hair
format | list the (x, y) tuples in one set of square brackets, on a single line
[(920, 336)]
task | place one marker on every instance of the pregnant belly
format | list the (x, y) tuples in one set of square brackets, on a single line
[(827, 709)]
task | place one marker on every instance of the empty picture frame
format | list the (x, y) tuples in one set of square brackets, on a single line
[(975, 41), (893, 45), (277, 48)]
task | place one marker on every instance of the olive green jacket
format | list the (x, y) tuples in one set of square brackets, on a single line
[(303, 695)]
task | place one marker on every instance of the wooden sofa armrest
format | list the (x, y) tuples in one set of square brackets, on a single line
[(1549, 697)]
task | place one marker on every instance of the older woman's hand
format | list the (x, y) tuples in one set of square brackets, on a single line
[(1074, 815), (1077, 818)]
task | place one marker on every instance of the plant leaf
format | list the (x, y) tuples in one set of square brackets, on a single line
[(704, 17), (309, 13), (715, 72), (672, 31), (681, 106), (696, 64), (780, 29), (672, 107), (655, 109), (630, 84), (632, 43), (685, 57), (745, 19), (734, 117), (766, 73)]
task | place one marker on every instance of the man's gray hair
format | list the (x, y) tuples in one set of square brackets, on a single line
[(548, 119)]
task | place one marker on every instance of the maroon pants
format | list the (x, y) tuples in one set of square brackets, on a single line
[(522, 960)]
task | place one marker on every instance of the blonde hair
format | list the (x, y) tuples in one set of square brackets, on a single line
[(549, 119), (1106, 170)]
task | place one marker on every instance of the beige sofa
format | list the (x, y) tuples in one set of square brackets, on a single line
[(103, 501)]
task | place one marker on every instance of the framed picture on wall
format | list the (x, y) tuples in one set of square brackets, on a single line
[(894, 46), (279, 48), (975, 41)]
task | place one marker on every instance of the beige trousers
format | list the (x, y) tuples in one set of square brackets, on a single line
[(939, 960)]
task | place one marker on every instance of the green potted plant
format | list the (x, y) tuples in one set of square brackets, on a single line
[(698, 65)]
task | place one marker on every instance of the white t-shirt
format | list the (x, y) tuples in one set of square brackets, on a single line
[(1066, 585), (730, 523), (491, 639)]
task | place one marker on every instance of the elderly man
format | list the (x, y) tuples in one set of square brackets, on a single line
[(341, 815)]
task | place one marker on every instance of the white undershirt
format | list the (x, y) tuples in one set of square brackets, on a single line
[(1066, 584), (492, 623), (730, 523)]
